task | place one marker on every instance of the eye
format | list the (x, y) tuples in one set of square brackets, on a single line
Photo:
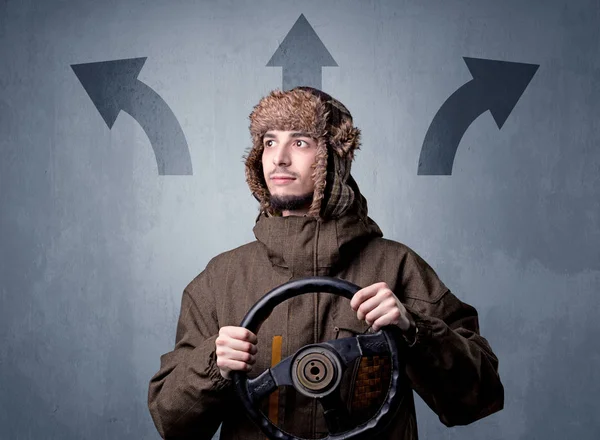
[(267, 143), (301, 144)]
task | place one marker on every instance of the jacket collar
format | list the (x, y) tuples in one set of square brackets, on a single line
[(310, 246)]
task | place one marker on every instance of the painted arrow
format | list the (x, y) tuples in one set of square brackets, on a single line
[(496, 86), (114, 86), (301, 55)]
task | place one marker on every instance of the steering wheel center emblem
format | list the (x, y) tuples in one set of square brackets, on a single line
[(316, 371)]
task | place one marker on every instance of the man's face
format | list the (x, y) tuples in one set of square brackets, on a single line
[(287, 161)]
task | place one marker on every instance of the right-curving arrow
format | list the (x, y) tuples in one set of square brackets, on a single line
[(114, 86), (301, 55), (496, 86)]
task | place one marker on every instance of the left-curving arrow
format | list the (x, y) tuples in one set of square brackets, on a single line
[(114, 86)]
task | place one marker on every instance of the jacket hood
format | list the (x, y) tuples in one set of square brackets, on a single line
[(325, 119), (313, 246)]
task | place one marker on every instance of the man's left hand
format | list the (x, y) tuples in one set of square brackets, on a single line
[(378, 306)]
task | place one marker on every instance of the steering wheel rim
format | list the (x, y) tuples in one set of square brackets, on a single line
[(262, 309)]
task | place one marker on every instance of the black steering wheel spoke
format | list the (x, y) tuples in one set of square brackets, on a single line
[(335, 412), (348, 349), (269, 380), (373, 344)]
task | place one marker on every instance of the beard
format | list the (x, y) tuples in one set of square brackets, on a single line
[(291, 202)]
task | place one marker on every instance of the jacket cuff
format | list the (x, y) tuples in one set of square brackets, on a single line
[(211, 368), (421, 328), (411, 334)]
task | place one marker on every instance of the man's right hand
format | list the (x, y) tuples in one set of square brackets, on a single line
[(235, 349)]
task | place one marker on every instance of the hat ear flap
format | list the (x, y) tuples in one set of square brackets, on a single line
[(254, 172), (345, 139)]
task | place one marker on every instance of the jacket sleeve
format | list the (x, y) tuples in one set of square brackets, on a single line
[(450, 365), (187, 396)]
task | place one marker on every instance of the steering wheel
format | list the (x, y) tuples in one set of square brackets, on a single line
[(315, 370)]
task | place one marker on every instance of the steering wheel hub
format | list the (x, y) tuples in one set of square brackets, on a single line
[(316, 371)]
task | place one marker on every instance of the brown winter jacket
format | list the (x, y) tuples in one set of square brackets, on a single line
[(450, 366)]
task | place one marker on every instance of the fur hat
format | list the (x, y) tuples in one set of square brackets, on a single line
[(328, 121)]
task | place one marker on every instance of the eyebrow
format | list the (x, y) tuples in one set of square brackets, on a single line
[(295, 134)]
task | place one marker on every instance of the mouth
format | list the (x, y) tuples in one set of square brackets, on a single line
[(282, 180)]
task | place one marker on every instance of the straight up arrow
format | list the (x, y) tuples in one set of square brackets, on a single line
[(301, 55)]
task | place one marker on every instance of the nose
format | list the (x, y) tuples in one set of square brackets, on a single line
[(281, 156)]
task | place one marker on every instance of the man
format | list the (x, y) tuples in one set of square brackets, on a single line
[(313, 222)]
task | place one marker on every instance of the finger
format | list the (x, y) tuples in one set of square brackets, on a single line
[(388, 303), (227, 365), (384, 296), (235, 355), (226, 353), (367, 306), (394, 316), (375, 314), (390, 318), (237, 344), (239, 333), (362, 295)]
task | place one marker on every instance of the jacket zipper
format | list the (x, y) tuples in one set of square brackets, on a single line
[(316, 315)]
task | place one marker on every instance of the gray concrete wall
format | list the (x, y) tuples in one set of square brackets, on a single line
[(103, 221)]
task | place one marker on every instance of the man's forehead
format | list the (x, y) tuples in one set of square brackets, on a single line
[(273, 134)]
